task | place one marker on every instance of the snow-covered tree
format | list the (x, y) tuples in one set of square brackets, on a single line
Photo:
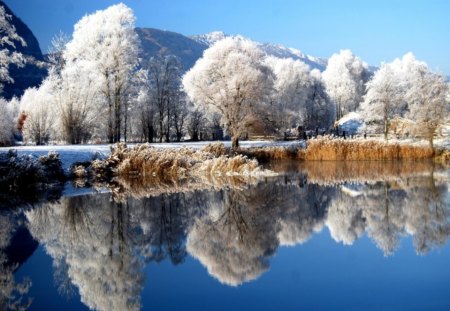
[(9, 110), (8, 38), (105, 46), (196, 124), (344, 78), (144, 112), (164, 88), (383, 97), (291, 88), (427, 101), (37, 104), (179, 118), (77, 103), (56, 49), (231, 79), (319, 110)]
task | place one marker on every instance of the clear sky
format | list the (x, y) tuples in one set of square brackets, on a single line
[(375, 30)]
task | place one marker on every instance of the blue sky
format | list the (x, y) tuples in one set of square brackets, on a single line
[(375, 30)]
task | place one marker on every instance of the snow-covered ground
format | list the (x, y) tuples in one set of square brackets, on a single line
[(70, 154), (351, 123)]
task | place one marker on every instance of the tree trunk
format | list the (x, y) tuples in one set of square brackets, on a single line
[(161, 127), (195, 136), (150, 133), (110, 123), (430, 141), (235, 142), (125, 121), (386, 129)]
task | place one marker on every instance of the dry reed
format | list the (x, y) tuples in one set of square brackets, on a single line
[(327, 148), (274, 153), (144, 161)]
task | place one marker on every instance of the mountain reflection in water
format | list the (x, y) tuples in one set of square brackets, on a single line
[(101, 243)]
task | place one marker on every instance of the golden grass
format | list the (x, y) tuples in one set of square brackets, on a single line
[(331, 149), (144, 162), (216, 149), (273, 153)]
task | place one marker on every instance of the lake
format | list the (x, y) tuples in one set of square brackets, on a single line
[(319, 236)]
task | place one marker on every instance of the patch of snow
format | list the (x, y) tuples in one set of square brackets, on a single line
[(68, 154), (209, 39), (351, 192), (352, 123)]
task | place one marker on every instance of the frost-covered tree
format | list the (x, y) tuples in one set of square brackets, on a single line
[(383, 98), (77, 103), (8, 38), (56, 50), (38, 106), (196, 124), (9, 110), (427, 101), (231, 79), (344, 78), (299, 95), (165, 92), (105, 46), (144, 113), (319, 110), (291, 88), (179, 118)]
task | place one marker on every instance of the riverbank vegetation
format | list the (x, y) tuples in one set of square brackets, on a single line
[(327, 148), (144, 162)]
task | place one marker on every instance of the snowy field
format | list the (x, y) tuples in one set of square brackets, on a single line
[(70, 154)]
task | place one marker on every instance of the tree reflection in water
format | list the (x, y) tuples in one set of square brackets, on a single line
[(101, 243)]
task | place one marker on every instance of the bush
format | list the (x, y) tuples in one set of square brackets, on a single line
[(21, 172)]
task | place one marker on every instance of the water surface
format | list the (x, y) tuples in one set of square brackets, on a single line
[(321, 235)]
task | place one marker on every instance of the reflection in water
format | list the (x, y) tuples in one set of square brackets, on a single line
[(11, 292), (101, 243), (91, 239)]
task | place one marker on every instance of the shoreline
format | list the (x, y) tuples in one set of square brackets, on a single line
[(53, 164)]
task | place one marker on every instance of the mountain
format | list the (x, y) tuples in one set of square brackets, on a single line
[(34, 71), (209, 39), (157, 42), (269, 48), (284, 52)]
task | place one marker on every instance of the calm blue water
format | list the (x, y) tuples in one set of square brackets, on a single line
[(317, 238)]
